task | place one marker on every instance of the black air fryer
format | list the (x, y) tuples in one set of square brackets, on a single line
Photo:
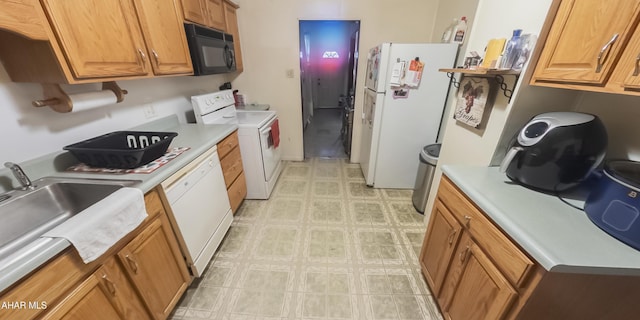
[(556, 150)]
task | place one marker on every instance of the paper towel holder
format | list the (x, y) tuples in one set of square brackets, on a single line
[(60, 101)]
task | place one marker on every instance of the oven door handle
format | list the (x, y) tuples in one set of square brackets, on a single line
[(267, 127), (265, 131)]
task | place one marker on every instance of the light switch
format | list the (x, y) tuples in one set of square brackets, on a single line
[(289, 73)]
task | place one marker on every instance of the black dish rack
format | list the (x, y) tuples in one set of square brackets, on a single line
[(122, 149)]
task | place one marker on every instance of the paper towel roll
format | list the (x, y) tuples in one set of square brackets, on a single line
[(89, 100)]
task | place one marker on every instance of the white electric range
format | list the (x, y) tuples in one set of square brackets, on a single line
[(258, 135)]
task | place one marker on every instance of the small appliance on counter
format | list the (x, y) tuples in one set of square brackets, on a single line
[(613, 204), (555, 151)]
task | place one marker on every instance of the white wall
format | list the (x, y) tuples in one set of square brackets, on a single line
[(621, 116), (28, 132), (447, 10), (465, 145), (270, 46)]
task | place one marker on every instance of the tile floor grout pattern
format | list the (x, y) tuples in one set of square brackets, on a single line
[(324, 246)]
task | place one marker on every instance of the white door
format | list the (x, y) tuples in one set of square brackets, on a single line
[(367, 155), (270, 154)]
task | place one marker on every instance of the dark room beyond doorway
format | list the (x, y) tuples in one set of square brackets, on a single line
[(328, 62)]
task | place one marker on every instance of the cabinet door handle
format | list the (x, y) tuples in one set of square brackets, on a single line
[(144, 59), (156, 56), (452, 236), (636, 71), (463, 254), (133, 264), (110, 285), (602, 53), (467, 219)]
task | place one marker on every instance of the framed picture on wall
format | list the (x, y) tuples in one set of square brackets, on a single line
[(471, 100)]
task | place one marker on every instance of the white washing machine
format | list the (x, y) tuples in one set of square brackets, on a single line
[(258, 134)]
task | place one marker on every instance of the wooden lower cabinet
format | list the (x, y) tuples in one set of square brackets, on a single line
[(443, 236), (106, 294), (466, 281), (231, 163), (237, 192), (141, 277), (475, 271), (155, 265), (476, 289)]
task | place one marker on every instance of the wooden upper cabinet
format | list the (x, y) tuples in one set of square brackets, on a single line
[(164, 36), (194, 11), (215, 14), (231, 18), (23, 17), (629, 65), (100, 38), (586, 40)]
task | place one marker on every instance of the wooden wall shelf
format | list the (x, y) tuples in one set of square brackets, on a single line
[(487, 73), (481, 72)]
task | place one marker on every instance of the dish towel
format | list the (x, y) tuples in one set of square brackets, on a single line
[(97, 228), (275, 134)]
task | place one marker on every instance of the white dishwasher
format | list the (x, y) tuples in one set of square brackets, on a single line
[(198, 198)]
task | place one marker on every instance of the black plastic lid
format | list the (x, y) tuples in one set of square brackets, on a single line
[(625, 170)]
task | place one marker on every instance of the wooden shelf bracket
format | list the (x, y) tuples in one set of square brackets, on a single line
[(497, 75), (59, 101)]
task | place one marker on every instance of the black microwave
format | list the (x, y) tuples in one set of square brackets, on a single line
[(211, 51)]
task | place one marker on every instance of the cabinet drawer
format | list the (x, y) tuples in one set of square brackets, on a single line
[(507, 256), (227, 144), (237, 192), (231, 166)]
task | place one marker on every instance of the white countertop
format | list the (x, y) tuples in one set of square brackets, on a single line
[(199, 138), (557, 236)]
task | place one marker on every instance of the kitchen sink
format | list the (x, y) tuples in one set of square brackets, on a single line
[(27, 214)]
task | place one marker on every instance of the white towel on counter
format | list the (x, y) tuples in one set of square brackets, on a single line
[(97, 228)]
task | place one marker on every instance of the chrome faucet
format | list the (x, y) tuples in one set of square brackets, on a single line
[(20, 176)]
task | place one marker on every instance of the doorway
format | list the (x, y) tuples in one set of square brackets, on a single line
[(328, 66)]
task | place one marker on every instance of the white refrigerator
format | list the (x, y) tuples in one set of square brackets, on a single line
[(395, 128)]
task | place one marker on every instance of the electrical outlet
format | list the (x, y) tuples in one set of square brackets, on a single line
[(289, 73), (149, 111)]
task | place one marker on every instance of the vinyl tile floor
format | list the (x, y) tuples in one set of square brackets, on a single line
[(322, 137), (324, 246)]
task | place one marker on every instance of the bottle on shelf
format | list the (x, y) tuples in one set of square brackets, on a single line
[(446, 36), (457, 36), (511, 50)]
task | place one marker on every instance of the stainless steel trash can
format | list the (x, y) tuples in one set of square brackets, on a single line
[(426, 169)]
